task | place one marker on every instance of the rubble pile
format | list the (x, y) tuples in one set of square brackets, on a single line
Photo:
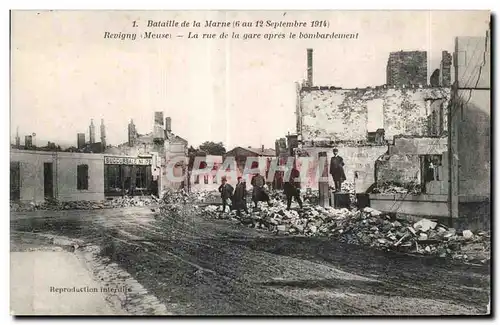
[(397, 188), (174, 197), (348, 187), (310, 196), (54, 205), (368, 227), (205, 196)]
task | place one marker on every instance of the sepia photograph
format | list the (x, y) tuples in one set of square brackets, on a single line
[(250, 163)]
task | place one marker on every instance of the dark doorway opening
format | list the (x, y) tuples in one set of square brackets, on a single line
[(15, 181), (48, 182)]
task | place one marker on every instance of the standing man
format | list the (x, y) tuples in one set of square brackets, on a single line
[(258, 193), (292, 188), (240, 197), (226, 193), (337, 170)]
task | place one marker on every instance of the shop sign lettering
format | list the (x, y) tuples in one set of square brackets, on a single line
[(127, 161)]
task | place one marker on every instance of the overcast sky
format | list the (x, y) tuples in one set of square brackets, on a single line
[(239, 92)]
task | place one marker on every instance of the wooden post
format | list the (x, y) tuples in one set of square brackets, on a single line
[(324, 190)]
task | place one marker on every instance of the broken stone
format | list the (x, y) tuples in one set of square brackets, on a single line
[(451, 232), (423, 236), (441, 230), (424, 225), (412, 231), (281, 228), (467, 234), (396, 224), (359, 227)]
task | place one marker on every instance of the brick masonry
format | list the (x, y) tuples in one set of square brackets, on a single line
[(358, 160), (342, 114), (407, 68), (445, 69)]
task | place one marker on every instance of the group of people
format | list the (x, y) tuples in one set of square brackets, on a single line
[(235, 198)]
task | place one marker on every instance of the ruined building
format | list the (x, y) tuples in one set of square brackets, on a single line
[(161, 145), (362, 122), (407, 68)]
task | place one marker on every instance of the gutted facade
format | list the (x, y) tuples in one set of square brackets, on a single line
[(334, 114)]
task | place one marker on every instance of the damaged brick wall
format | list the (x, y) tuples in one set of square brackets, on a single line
[(398, 168), (438, 117), (445, 69), (358, 160), (402, 163), (407, 68), (406, 110), (342, 114), (419, 146), (339, 114)]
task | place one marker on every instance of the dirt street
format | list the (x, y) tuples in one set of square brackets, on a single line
[(195, 266)]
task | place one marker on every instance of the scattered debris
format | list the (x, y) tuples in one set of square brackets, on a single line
[(367, 227), (119, 202), (467, 234), (397, 188), (424, 225)]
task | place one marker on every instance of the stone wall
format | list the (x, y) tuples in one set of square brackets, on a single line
[(398, 168), (359, 161), (445, 70), (347, 114), (407, 68), (419, 146), (402, 163), (64, 175)]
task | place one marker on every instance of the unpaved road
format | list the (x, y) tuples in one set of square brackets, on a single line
[(197, 266)]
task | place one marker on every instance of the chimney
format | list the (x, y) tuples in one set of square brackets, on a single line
[(158, 131), (445, 69), (103, 134), (309, 67), (168, 124), (92, 131), (262, 148), (28, 141), (80, 140), (131, 133), (18, 139)]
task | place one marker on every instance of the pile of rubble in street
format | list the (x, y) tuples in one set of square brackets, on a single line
[(396, 188), (367, 227), (118, 202)]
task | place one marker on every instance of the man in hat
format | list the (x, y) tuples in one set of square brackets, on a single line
[(337, 170), (226, 193), (258, 193), (240, 197), (292, 188)]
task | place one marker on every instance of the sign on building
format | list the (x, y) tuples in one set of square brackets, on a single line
[(127, 161)]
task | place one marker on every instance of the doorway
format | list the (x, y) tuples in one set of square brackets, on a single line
[(15, 181), (48, 182)]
